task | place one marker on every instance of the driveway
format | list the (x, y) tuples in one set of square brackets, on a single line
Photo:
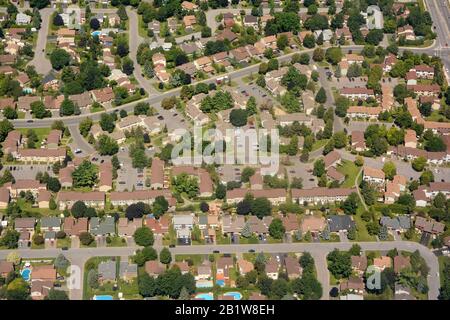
[(343, 236), (40, 60)]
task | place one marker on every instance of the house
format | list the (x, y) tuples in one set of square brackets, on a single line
[(399, 223), (157, 174), (82, 100), (353, 284), (188, 6), (66, 199), (126, 198), (363, 112), (189, 22), (258, 226), (400, 263), (332, 159), (357, 93), (5, 268), (24, 224), (183, 266), (44, 272), (313, 224), (183, 221), (50, 224), (107, 271), (160, 226), (244, 266), (224, 264), (232, 225), (275, 196), (204, 271), (4, 197), (40, 289), (272, 269), (320, 195), (382, 263), (339, 223), (358, 141), (423, 71), (22, 19), (293, 269), (154, 268), (250, 21), (106, 226), (429, 226), (24, 185), (128, 271), (24, 102), (373, 175), (290, 223), (359, 264), (410, 139), (41, 155), (425, 89), (159, 59), (74, 227), (126, 227), (104, 95)]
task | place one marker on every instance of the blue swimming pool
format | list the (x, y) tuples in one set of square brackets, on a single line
[(26, 274), (220, 283), (96, 33), (204, 284), (205, 296), (235, 295), (104, 297)]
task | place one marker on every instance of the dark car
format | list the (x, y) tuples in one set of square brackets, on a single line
[(30, 121), (216, 251), (65, 248), (171, 246), (160, 118), (251, 250)]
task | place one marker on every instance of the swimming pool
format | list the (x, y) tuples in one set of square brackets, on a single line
[(235, 295), (26, 274), (96, 33), (220, 283), (104, 297), (204, 284), (205, 296)]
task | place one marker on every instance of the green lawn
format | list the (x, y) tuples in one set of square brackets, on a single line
[(361, 234), (66, 242), (319, 144), (252, 240), (142, 28), (96, 109), (41, 133), (197, 259), (350, 170), (117, 242), (442, 261)]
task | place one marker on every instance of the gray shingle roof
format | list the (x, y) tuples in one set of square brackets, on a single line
[(340, 222)]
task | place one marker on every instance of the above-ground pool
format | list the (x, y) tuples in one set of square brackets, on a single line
[(96, 33), (204, 284), (26, 274), (104, 297), (205, 296), (235, 295)]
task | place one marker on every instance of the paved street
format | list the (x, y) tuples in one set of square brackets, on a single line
[(40, 60), (78, 142), (318, 250)]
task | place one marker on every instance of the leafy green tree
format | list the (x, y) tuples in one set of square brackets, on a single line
[(350, 204), (147, 285), (85, 126), (10, 113), (246, 173), (107, 145), (319, 168), (59, 58), (321, 96), (86, 238), (389, 170), (165, 256), (17, 289), (55, 294), (85, 175), (144, 237), (67, 107), (238, 117), (277, 229), (333, 55), (261, 207), (107, 122), (160, 206), (339, 264)]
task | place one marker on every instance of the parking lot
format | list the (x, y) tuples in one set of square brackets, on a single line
[(27, 171)]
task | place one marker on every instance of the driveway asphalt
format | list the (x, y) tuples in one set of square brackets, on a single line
[(40, 60), (78, 142)]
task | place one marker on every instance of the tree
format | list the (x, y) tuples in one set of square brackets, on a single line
[(333, 55), (10, 239), (244, 207), (318, 55), (94, 24), (321, 96), (107, 122), (127, 66), (282, 42), (246, 173), (107, 145), (165, 256), (238, 117), (350, 204), (61, 262), (143, 237), (389, 170), (186, 184), (85, 175), (17, 289), (53, 184), (78, 209), (58, 20), (276, 229), (54, 294), (261, 207), (5, 128), (85, 126), (204, 207), (319, 168), (339, 264), (10, 113), (59, 58), (147, 285), (86, 238), (160, 206), (426, 177)]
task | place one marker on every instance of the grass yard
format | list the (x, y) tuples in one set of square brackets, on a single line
[(350, 170), (117, 242), (142, 28), (361, 234), (197, 259), (333, 238), (96, 109), (319, 144), (252, 240), (41, 133), (442, 261), (26, 206), (66, 242)]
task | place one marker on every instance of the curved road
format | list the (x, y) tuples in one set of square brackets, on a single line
[(318, 250)]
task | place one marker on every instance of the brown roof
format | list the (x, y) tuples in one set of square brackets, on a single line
[(312, 223), (83, 196), (7, 102), (321, 192), (400, 263), (292, 266), (353, 283), (103, 95), (157, 171), (74, 226), (6, 267), (139, 195), (373, 172), (44, 272), (359, 263), (331, 158), (24, 223), (43, 153), (153, 267), (357, 91)]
